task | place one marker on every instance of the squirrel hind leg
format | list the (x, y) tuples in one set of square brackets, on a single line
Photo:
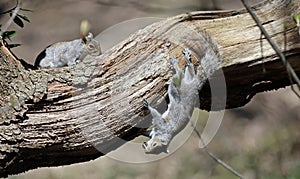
[(173, 93), (175, 64), (189, 72), (187, 53), (176, 79)]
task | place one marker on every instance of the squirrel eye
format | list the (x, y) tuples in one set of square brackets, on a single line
[(154, 144), (91, 46)]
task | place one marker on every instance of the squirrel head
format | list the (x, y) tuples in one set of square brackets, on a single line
[(155, 146), (92, 46)]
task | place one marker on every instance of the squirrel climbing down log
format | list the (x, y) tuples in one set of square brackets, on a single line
[(183, 97)]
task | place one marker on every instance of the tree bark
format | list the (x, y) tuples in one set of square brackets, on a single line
[(52, 117)]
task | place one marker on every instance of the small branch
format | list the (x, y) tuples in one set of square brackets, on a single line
[(10, 20), (289, 68), (213, 156)]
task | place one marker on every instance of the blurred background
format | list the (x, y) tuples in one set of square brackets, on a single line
[(260, 140)]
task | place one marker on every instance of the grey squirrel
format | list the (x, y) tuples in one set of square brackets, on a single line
[(69, 53), (183, 97)]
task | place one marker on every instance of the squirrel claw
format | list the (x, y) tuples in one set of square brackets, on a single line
[(145, 103)]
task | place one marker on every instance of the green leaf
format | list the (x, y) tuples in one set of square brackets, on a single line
[(24, 9), (18, 21), (9, 34), (297, 19), (23, 17), (13, 45)]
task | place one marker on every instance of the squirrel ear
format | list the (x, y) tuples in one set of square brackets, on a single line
[(87, 38), (83, 38)]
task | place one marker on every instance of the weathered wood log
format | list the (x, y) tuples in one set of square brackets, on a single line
[(51, 117)]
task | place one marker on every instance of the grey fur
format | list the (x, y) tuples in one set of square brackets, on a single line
[(183, 95), (68, 53)]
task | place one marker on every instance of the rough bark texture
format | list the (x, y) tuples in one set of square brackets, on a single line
[(50, 117)]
